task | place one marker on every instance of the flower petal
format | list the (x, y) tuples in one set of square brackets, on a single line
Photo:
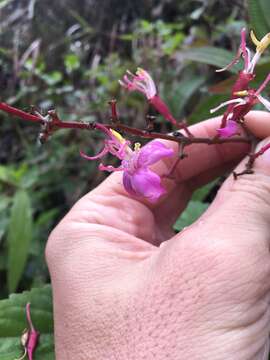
[(162, 108), (141, 82), (127, 182), (229, 130), (153, 152), (144, 183)]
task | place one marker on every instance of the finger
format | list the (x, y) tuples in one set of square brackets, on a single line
[(202, 157), (231, 243), (203, 164), (258, 122), (241, 209)]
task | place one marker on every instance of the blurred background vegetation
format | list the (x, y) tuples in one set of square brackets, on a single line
[(68, 55)]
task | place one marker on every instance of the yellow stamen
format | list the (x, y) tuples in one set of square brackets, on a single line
[(254, 39), (140, 72), (241, 93), (118, 136), (137, 146), (261, 45)]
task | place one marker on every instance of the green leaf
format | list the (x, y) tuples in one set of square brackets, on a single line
[(52, 78), (72, 62), (259, 16), (183, 93), (7, 175), (190, 215), (4, 203), (3, 226), (202, 110), (13, 322), (18, 237), (210, 55), (172, 43), (201, 193)]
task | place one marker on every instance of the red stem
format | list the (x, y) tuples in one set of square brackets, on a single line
[(19, 113), (28, 317), (55, 123), (114, 116), (261, 151)]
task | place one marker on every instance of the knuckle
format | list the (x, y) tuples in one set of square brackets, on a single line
[(50, 248), (56, 244), (256, 187)]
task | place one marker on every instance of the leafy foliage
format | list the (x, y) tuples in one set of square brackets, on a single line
[(18, 237), (195, 208), (258, 12), (211, 56)]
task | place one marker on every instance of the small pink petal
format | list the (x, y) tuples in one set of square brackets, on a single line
[(144, 183), (229, 130), (152, 153), (127, 182), (162, 108), (141, 82)]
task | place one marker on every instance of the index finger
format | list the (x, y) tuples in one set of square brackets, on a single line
[(204, 163)]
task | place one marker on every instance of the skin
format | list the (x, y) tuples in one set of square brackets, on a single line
[(125, 287)]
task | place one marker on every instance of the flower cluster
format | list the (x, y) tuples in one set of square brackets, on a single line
[(242, 97), (138, 179), (143, 82)]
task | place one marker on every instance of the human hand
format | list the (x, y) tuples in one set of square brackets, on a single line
[(121, 292)]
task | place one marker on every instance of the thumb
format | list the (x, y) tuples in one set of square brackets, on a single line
[(242, 206), (228, 251)]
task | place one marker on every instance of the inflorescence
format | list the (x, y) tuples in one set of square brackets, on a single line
[(138, 179)]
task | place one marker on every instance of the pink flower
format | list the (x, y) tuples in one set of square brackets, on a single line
[(138, 179), (141, 82), (243, 98), (229, 130), (144, 83)]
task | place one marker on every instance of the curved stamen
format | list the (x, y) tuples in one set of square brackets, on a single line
[(109, 168), (238, 101), (98, 156)]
